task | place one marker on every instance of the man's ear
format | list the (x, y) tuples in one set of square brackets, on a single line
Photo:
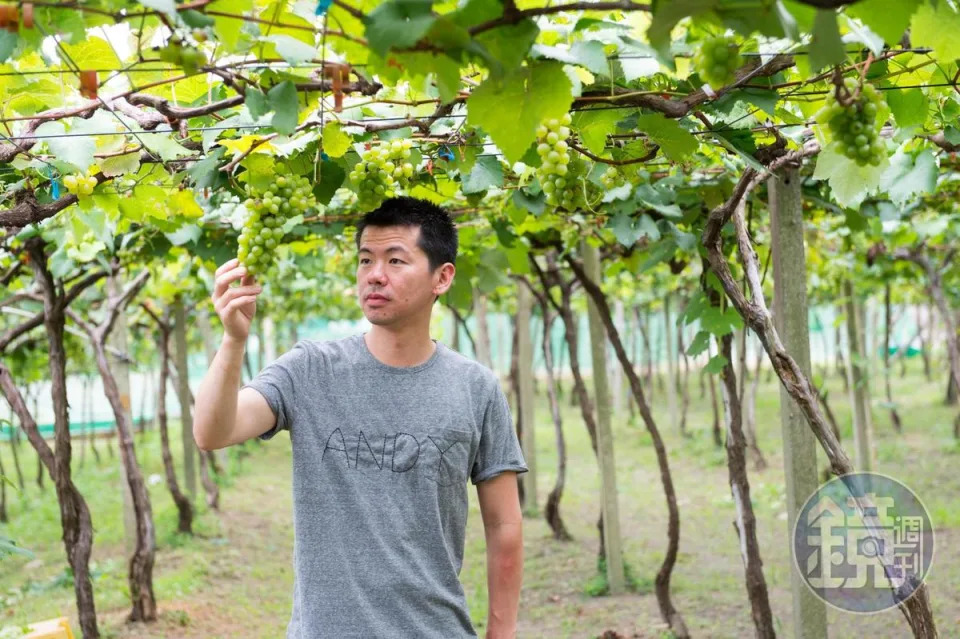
[(445, 278)]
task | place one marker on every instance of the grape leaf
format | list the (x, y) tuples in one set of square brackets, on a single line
[(166, 6), (398, 24), (629, 229), (887, 19), (8, 42), (589, 55), (283, 100), (120, 164), (533, 203), (163, 145), (909, 107), (256, 103), (509, 44), (594, 126), (634, 68), (699, 344), (675, 142), (332, 176), (909, 177), (77, 151), (335, 141), (716, 364), (849, 182), (535, 93), (486, 172), (228, 29), (826, 47), (293, 51), (936, 27)]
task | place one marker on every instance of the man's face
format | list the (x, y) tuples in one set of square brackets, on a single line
[(394, 281)]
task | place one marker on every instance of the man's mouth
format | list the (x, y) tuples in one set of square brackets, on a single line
[(376, 297)]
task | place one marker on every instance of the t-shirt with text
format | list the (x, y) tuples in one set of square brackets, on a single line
[(381, 457)]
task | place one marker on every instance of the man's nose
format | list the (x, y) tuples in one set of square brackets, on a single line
[(375, 273)]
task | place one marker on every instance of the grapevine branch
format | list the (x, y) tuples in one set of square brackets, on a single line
[(514, 16)]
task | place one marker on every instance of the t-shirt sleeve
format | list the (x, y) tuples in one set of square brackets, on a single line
[(499, 448), (277, 382)]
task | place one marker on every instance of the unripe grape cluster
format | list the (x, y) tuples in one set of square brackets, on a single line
[(612, 178), (381, 172), (854, 127), (558, 174), (80, 184), (716, 60), (269, 210)]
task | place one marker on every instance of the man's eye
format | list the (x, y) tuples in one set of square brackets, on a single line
[(396, 259)]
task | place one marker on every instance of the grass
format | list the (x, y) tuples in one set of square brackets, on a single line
[(234, 578)]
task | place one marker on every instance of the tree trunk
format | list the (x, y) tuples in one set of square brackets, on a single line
[(750, 413), (717, 437), (642, 322), (88, 418), (14, 448), (183, 504), (140, 575), (580, 393), (74, 514), (682, 381), (120, 365), (790, 314), (935, 288), (140, 579), (525, 382), (3, 491), (484, 354), (183, 394), (34, 398), (616, 375), (745, 523), (894, 416), (552, 510), (859, 391), (671, 366), (841, 363), (917, 609), (926, 329), (605, 444)]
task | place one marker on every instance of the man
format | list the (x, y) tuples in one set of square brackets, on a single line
[(386, 427)]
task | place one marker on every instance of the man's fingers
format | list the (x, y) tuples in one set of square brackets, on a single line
[(224, 280), (240, 301), (229, 264), (233, 293)]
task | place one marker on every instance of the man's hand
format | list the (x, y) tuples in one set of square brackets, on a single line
[(236, 305)]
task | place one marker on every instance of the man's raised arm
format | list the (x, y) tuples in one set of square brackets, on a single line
[(224, 416)]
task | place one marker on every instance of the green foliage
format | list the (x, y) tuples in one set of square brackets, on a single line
[(599, 586)]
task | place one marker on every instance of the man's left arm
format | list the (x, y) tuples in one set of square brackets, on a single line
[(503, 529)]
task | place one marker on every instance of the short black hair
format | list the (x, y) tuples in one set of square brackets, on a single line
[(438, 235)]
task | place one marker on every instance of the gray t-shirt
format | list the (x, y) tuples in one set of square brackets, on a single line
[(381, 456)]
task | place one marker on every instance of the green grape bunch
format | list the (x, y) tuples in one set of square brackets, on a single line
[(612, 178), (717, 60), (855, 128), (382, 172), (269, 209), (559, 174)]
